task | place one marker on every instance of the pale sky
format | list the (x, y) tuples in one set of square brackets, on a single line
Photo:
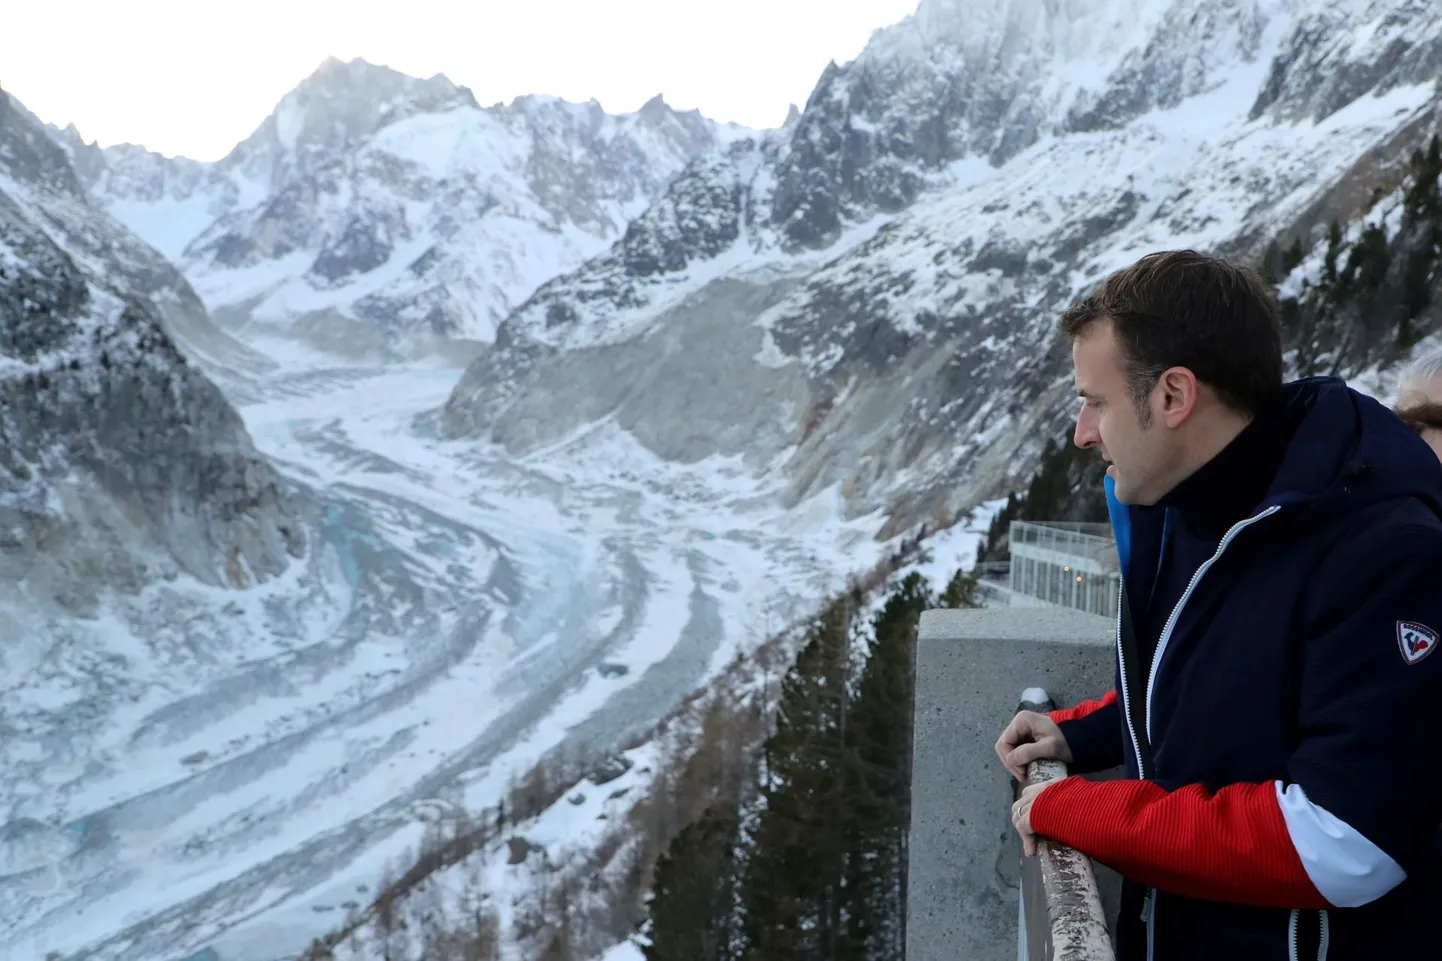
[(194, 78)]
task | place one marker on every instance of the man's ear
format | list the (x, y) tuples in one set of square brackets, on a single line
[(1177, 395)]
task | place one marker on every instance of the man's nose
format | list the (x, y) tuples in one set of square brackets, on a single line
[(1086, 434)]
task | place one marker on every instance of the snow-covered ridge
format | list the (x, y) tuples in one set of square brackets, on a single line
[(374, 212)]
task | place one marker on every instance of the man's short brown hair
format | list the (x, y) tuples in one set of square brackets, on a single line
[(1179, 308)]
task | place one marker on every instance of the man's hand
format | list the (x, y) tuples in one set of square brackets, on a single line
[(1029, 737), (1021, 816)]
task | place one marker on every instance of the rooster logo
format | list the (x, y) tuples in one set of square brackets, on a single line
[(1415, 640)]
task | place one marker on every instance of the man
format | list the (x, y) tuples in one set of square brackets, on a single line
[(1419, 399), (1276, 702)]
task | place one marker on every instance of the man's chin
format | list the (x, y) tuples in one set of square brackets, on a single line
[(1121, 491)]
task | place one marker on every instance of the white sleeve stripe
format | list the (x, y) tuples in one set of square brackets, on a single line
[(1346, 868)]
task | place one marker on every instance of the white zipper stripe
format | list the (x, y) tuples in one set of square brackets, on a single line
[(1292, 935), (1326, 936), (1177, 611), (1151, 683), (1126, 697)]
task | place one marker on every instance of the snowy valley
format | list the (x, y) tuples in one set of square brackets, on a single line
[(347, 478)]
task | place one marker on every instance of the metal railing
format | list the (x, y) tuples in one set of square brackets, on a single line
[(1089, 541), (1060, 908)]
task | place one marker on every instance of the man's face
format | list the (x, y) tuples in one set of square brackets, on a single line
[(1420, 404), (1140, 455)]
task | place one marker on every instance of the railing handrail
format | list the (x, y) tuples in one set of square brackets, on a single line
[(1076, 921), (1077, 540), (1085, 528)]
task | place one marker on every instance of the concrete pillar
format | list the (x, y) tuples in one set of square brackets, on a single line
[(971, 669)]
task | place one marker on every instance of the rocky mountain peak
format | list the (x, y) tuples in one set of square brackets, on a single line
[(656, 106), (338, 105), (28, 153), (960, 79), (1314, 75)]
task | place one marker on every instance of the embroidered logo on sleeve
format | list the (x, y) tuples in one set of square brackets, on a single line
[(1415, 640)]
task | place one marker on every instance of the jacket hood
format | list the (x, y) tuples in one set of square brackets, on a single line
[(1346, 451)]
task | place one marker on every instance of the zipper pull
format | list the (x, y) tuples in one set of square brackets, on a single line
[(1146, 907)]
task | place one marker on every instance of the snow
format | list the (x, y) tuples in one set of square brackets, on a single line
[(625, 951), (169, 228), (956, 548), (462, 140), (289, 121)]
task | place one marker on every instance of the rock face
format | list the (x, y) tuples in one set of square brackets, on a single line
[(868, 296), (373, 211), (120, 461)]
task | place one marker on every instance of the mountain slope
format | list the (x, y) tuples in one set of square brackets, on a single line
[(901, 314), (373, 211), (119, 454)]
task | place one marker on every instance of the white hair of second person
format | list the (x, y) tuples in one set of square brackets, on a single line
[(1423, 370)]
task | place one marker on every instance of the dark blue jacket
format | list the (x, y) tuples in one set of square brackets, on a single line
[(1283, 736)]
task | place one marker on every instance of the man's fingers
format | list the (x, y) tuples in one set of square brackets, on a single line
[(1020, 731), (1004, 747), (1003, 752), (1020, 821), (1024, 754)]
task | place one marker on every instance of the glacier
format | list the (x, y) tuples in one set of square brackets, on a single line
[(196, 767)]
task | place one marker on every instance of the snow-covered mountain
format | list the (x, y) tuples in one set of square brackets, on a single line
[(868, 296), (375, 211)]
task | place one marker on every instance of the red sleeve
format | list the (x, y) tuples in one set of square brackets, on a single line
[(1084, 708), (1229, 846)]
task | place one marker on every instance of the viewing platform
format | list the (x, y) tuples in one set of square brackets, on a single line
[(1055, 564)]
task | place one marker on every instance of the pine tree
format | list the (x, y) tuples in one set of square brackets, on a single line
[(1416, 287), (960, 591), (1293, 257), (692, 904), (879, 796), (1334, 248), (791, 892), (1421, 201), (997, 548), (1369, 258), (1271, 266)]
